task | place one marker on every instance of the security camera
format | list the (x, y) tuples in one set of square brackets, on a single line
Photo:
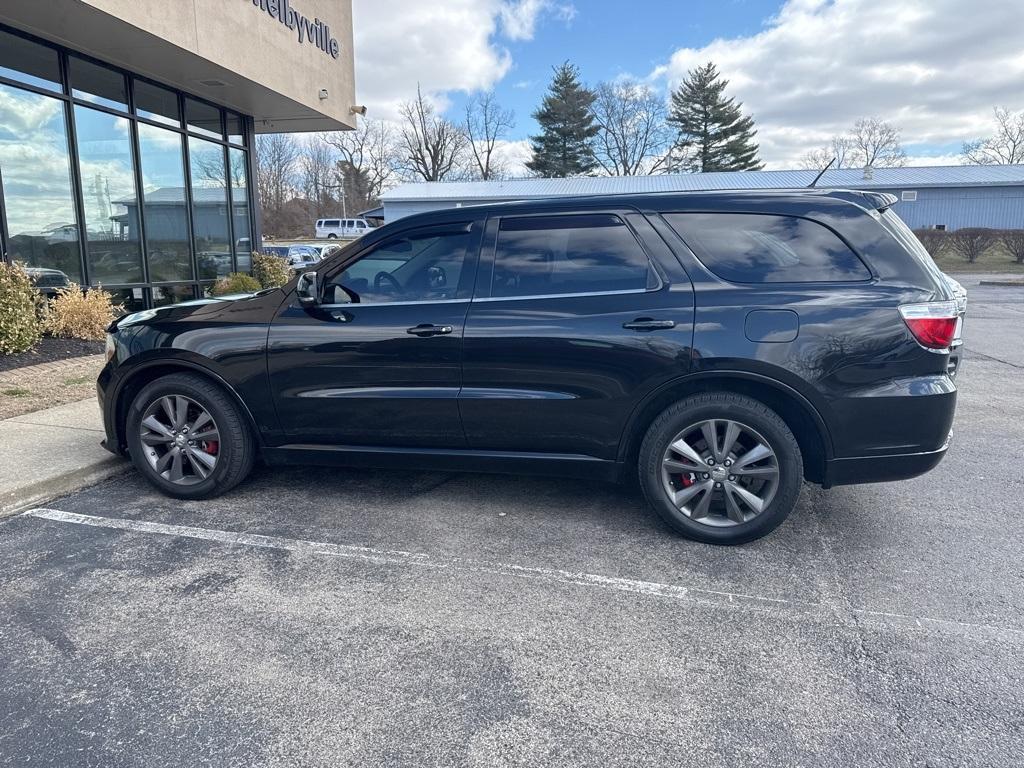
[(323, 94), (357, 110)]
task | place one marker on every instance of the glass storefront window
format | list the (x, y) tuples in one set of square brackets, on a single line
[(210, 208), (203, 118), (240, 213), (128, 300), (35, 169), (29, 62), (163, 295), (108, 192), (165, 208), (97, 84), (236, 129), (157, 104)]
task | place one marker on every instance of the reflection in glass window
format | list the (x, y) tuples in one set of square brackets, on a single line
[(236, 134), (165, 212), (756, 248), (29, 62), (108, 192), (157, 104), (97, 84), (240, 208), (164, 295), (203, 118), (128, 300), (210, 208), (36, 170), (552, 255)]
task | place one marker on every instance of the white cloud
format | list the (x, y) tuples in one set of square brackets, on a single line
[(935, 68), (519, 17), (513, 156)]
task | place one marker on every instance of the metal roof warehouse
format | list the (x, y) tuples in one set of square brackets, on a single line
[(944, 197)]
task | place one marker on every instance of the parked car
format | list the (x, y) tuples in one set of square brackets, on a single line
[(48, 281), (722, 348), (332, 229), (297, 256)]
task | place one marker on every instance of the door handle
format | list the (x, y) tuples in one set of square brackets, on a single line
[(649, 324), (426, 329)]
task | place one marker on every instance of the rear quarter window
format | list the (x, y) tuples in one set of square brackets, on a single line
[(763, 248)]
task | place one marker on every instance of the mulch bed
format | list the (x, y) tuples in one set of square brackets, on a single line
[(50, 350)]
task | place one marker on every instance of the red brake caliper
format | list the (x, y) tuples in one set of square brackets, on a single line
[(211, 447)]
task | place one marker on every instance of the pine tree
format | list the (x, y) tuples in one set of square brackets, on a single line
[(564, 146), (714, 135)]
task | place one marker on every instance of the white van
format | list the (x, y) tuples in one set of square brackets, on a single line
[(335, 228)]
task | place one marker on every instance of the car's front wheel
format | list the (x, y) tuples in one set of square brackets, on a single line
[(721, 468), (188, 437)]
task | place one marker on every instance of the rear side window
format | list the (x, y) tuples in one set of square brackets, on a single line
[(332, 223), (757, 248), (550, 255)]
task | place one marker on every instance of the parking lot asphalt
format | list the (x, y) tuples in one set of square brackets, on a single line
[(335, 617)]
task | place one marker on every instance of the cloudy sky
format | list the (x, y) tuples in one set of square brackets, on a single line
[(805, 69)]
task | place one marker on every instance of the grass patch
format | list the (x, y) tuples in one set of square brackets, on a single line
[(77, 381), (993, 260), (16, 392)]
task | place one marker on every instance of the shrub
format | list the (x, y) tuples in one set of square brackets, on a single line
[(1013, 241), (19, 326), (236, 282), (972, 242), (271, 271), (78, 314), (933, 240)]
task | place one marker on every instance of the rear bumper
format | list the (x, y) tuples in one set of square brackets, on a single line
[(881, 469)]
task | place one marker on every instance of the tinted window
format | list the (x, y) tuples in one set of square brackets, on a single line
[(541, 256), (415, 267), (98, 84), (156, 103), (35, 169), (332, 223), (755, 248), (29, 62), (203, 118), (165, 210)]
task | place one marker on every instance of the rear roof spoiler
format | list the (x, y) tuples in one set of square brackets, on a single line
[(881, 201)]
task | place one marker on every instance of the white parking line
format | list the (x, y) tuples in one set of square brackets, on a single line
[(553, 575)]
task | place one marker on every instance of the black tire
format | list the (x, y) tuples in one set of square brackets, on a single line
[(236, 446), (721, 406)]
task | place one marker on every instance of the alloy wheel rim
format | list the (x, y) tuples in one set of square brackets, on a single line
[(720, 473), (180, 439)]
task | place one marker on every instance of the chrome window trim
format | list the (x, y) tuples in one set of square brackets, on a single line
[(570, 295), (358, 304)]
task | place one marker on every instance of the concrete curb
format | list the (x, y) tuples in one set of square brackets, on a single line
[(39, 493), (1003, 283)]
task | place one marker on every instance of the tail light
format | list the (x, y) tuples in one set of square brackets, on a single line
[(933, 324)]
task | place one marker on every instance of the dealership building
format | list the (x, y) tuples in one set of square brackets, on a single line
[(126, 130)]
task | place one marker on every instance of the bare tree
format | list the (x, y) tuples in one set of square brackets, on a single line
[(972, 242), (316, 166), (933, 240), (1013, 241), (368, 161), (633, 137), (870, 141), (1004, 147), (432, 146), (277, 155), (838, 149), (876, 143), (486, 124)]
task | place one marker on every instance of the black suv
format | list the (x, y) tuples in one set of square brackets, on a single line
[(721, 347)]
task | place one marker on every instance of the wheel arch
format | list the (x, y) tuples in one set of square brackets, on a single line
[(799, 414), (146, 373)]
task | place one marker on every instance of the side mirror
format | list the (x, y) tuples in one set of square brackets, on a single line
[(307, 290)]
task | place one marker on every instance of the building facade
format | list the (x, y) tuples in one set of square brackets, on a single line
[(127, 128), (949, 198)]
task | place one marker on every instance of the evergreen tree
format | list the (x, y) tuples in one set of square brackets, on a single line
[(565, 144), (713, 133)]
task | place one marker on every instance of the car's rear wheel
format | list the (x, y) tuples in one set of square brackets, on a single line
[(189, 438), (721, 468), (332, 236)]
